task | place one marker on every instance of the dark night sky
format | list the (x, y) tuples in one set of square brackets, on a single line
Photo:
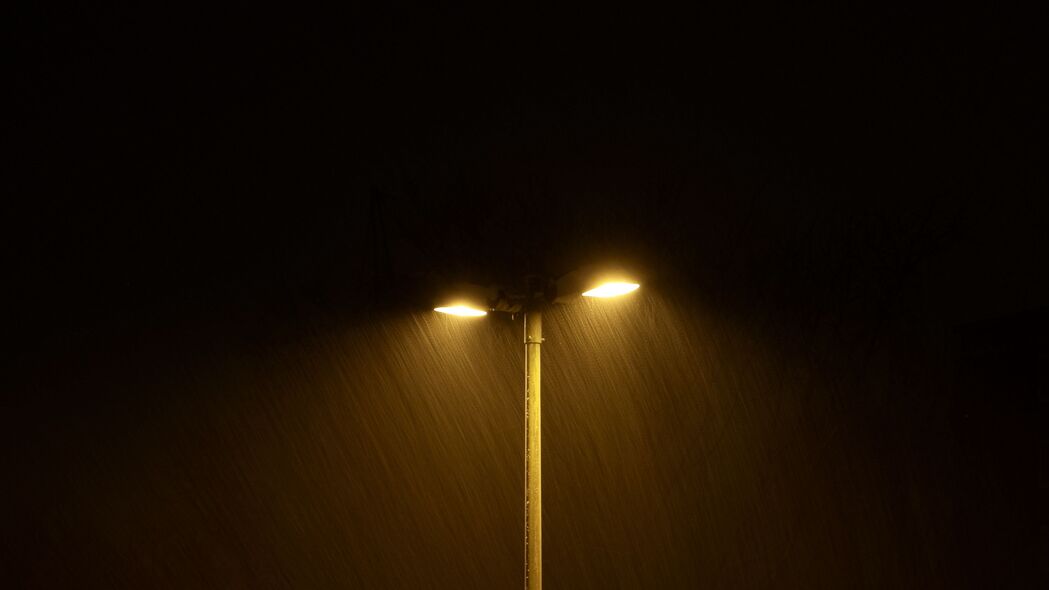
[(833, 377)]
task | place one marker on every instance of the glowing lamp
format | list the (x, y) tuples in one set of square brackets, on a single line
[(600, 282), (461, 310), (611, 289), (464, 300)]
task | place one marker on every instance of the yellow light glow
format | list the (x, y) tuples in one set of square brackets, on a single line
[(462, 310), (611, 289)]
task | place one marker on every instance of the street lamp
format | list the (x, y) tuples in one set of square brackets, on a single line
[(539, 292)]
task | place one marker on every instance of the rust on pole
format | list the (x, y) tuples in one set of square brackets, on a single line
[(533, 324)]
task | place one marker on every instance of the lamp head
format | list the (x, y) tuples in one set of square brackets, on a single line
[(611, 289), (461, 310), (596, 282), (466, 300)]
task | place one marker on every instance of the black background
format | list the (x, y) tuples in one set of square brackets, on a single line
[(847, 208)]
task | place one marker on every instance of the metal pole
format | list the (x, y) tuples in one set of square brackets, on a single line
[(533, 323)]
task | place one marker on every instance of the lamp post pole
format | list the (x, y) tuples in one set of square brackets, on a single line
[(533, 328)]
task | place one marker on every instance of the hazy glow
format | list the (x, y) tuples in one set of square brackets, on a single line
[(611, 290), (461, 310)]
